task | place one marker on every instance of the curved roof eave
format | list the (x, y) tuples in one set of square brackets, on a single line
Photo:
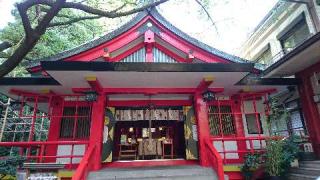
[(109, 36)]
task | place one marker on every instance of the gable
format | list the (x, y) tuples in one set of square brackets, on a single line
[(150, 34), (140, 56)]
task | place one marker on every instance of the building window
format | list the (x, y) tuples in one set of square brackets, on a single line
[(296, 35), (252, 125), (265, 56), (221, 120), (75, 120)]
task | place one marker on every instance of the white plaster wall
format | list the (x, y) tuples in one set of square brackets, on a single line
[(249, 107), (256, 43), (228, 146), (65, 150)]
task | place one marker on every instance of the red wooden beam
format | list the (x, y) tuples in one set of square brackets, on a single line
[(185, 47), (205, 83), (139, 103), (148, 90), (170, 53), (94, 83), (106, 54), (257, 93), (112, 45), (149, 41), (23, 93)]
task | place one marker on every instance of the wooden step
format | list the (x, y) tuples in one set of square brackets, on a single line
[(128, 151), (128, 155)]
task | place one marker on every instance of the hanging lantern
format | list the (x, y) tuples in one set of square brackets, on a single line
[(91, 96), (208, 96), (16, 105)]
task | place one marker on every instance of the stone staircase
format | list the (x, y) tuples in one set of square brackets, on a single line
[(308, 170), (191, 172)]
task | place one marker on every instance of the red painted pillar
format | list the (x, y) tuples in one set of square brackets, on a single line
[(54, 129), (96, 130), (201, 109), (310, 111), (236, 110)]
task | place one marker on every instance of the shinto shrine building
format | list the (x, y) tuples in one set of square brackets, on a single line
[(146, 94)]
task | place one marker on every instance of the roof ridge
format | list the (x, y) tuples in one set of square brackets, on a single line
[(139, 16), (195, 41), (99, 40)]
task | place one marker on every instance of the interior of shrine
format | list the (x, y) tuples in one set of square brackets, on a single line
[(149, 133)]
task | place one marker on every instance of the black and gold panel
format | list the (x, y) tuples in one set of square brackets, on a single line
[(108, 134), (190, 133)]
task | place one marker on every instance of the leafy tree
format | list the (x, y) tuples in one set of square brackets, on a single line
[(46, 27), (39, 16), (55, 40)]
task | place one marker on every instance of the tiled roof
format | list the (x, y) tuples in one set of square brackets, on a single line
[(109, 36)]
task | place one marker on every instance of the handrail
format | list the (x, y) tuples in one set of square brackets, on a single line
[(84, 166), (34, 143), (246, 138), (214, 159), (41, 146), (253, 144)]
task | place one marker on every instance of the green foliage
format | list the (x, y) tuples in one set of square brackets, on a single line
[(290, 152), (8, 165), (277, 112), (274, 158), (279, 155), (251, 163), (55, 40)]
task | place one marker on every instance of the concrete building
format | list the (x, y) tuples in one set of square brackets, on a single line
[(286, 44)]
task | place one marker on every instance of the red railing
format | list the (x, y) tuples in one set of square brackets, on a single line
[(36, 150), (84, 166), (214, 159), (255, 144)]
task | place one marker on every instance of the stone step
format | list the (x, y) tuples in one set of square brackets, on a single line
[(309, 165), (310, 162), (161, 172), (167, 178), (306, 171), (294, 176)]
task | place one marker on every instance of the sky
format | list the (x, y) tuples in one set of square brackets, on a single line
[(234, 20)]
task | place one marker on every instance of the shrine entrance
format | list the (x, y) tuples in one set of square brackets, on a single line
[(144, 133)]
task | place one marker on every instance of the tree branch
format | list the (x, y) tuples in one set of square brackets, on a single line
[(111, 14), (208, 14), (5, 45), (23, 8), (74, 20), (119, 8), (33, 34), (99, 12), (30, 41)]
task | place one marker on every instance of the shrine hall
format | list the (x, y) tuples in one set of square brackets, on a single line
[(145, 94)]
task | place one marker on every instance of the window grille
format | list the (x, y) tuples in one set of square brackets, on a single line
[(221, 119), (75, 122)]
